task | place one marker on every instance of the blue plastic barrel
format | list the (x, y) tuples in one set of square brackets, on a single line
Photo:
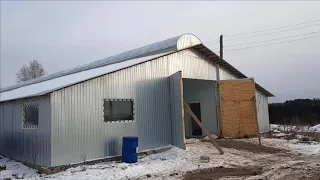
[(129, 149)]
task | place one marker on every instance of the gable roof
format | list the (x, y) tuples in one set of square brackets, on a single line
[(55, 81)]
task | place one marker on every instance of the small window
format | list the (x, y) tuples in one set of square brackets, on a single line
[(30, 115), (118, 110)]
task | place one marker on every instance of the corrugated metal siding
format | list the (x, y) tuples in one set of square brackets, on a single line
[(203, 92), (225, 75), (77, 111), (177, 114), (78, 126), (8, 139), (26, 145), (192, 64), (1, 129), (263, 112)]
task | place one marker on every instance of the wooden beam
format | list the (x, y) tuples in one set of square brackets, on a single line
[(194, 117)]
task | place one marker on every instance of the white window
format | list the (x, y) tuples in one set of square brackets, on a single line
[(118, 110), (30, 115)]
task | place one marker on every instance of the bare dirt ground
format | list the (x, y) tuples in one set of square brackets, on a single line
[(272, 163), (255, 148), (220, 172)]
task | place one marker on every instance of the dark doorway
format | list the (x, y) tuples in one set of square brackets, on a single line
[(195, 128)]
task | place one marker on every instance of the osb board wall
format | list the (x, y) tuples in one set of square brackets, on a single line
[(238, 108)]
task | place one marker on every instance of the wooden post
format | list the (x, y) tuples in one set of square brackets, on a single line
[(255, 111), (218, 105), (218, 109), (221, 46), (194, 117)]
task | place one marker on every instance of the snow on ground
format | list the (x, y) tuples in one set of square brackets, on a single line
[(280, 134), (286, 128), (315, 128), (163, 165), (16, 168), (172, 161)]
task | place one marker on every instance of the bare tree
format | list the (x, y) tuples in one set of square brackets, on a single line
[(32, 71)]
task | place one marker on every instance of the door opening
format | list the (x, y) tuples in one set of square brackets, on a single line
[(195, 128)]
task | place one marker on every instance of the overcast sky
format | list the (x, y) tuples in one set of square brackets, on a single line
[(62, 35)]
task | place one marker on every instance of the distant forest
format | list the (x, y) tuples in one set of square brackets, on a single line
[(296, 112)]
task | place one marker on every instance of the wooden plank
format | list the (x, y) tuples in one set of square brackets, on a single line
[(218, 122), (239, 117), (218, 99), (213, 141)]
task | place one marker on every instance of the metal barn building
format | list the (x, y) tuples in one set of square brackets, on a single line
[(55, 119)]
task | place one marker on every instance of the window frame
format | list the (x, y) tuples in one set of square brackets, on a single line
[(119, 99), (23, 115)]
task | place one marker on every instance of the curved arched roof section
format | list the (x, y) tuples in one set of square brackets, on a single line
[(187, 41), (173, 44)]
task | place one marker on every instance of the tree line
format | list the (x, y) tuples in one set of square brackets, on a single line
[(31, 71), (295, 112)]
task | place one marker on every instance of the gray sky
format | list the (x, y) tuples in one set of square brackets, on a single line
[(62, 35)]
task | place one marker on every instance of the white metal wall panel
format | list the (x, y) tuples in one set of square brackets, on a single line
[(192, 64), (26, 145), (225, 75), (263, 112)]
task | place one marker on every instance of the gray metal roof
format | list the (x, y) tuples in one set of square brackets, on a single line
[(175, 43), (45, 87)]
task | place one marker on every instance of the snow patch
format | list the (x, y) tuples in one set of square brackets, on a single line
[(17, 169), (286, 128), (315, 128)]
